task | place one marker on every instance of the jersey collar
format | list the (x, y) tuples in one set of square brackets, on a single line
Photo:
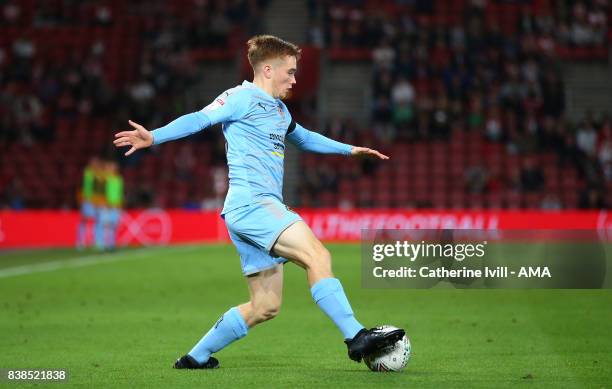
[(263, 92)]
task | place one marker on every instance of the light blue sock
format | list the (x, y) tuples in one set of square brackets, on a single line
[(99, 235), (330, 297), (230, 327), (112, 237), (82, 234)]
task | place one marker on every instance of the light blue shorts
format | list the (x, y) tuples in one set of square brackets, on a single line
[(88, 211), (254, 230), (110, 216)]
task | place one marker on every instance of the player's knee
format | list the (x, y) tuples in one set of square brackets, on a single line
[(266, 310), (270, 313)]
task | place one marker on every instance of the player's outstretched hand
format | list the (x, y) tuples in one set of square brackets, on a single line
[(139, 138), (364, 151)]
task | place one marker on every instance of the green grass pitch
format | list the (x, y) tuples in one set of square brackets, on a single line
[(120, 320)]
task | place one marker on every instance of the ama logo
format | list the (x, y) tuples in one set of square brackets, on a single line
[(539, 272)]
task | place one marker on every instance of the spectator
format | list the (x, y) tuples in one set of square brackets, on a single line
[(402, 98), (551, 202), (493, 128), (13, 195), (11, 13), (383, 56), (402, 93), (586, 137), (604, 149), (441, 118), (532, 179), (553, 103), (591, 198), (185, 162), (476, 177)]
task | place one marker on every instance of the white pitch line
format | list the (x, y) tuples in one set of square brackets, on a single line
[(85, 260)]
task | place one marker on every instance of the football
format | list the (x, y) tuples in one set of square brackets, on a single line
[(391, 358)]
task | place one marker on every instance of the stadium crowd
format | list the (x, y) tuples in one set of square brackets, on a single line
[(437, 72)]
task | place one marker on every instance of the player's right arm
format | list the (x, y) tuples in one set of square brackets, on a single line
[(226, 107)]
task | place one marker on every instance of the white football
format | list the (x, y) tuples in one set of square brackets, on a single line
[(392, 358)]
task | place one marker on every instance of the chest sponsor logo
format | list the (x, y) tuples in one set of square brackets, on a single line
[(278, 142)]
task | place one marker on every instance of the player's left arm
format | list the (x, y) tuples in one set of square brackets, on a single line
[(307, 140)]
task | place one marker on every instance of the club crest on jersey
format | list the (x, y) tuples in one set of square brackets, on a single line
[(218, 103), (281, 112)]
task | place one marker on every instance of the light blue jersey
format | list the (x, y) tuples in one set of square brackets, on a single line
[(255, 126)]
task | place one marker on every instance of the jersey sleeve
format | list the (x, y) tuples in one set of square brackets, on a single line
[(229, 106), (180, 127), (311, 141)]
